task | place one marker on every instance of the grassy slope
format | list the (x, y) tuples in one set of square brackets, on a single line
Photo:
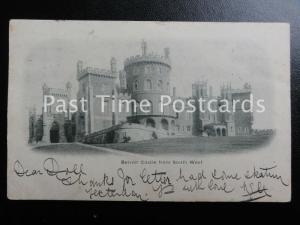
[(193, 145)]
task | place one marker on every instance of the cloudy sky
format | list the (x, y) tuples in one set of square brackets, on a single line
[(47, 52)]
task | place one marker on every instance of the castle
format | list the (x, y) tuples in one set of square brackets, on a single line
[(145, 76)]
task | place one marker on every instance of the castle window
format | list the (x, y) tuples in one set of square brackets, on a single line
[(160, 85), (148, 84), (148, 69), (136, 84), (135, 70), (152, 68)]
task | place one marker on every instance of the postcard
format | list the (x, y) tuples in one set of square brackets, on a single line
[(149, 111)]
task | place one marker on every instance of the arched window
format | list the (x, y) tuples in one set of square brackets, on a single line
[(135, 70), (136, 85), (223, 132), (164, 124), (160, 85), (148, 69), (150, 123), (148, 84), (173, 125)]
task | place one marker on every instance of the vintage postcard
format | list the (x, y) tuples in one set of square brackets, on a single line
[(149, 111)]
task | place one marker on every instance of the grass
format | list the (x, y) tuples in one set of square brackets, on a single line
[(190, 145), (68, 148)]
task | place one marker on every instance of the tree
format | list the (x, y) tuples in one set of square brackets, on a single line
[(39, 132), (69, 128), (126, 139)]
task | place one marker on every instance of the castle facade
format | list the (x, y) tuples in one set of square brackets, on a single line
[(148, 76), (145, 76)]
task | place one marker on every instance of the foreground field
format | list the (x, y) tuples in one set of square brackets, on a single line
[(69, 148), (192, 145)]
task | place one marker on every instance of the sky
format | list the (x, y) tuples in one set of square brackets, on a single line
[(217, 52)]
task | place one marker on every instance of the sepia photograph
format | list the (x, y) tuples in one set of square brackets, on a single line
[(149, 111)]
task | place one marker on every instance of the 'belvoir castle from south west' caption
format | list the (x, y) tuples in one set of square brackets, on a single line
[(145, 76)]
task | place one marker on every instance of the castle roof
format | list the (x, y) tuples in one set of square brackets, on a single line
[(96, 71), (154, 58)]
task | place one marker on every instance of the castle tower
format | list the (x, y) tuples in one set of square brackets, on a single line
[(200, 89), (122, 78), (68, 89), (31, 124), (53, 119), (113, 66), (148, 77), (92, 82), (242, 120)]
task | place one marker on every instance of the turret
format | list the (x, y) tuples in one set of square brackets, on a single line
[(113, 66), (45, 89), (210, 91), (122, 78), (167, 53), (68, 88), (247, 86), (174, 92), (79, 68), (144, 47)]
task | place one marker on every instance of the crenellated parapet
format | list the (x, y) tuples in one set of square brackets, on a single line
[(95, 71), (149, 58), (124, 95)]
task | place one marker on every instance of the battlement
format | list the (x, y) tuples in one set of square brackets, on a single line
[(57, 92), (95, 71), (154, 58), (240, 91), (227, 89), (124, 95)]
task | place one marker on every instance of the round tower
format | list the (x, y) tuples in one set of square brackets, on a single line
[(148, 77)]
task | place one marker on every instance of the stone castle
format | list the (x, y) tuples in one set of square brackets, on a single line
[(145, 76)]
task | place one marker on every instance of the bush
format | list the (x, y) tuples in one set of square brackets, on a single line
[(70, 131), (39, 132)]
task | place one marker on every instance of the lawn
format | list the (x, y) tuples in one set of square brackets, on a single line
[(192, 145), (71, 148)]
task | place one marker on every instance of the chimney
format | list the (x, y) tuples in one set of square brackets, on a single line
[(174, 91), (210, 91), (113, 65), (144, 47), (167, 52)]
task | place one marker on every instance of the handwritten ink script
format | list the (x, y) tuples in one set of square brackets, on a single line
[(150, 183)]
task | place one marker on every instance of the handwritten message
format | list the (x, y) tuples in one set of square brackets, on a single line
[(147, 181)]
